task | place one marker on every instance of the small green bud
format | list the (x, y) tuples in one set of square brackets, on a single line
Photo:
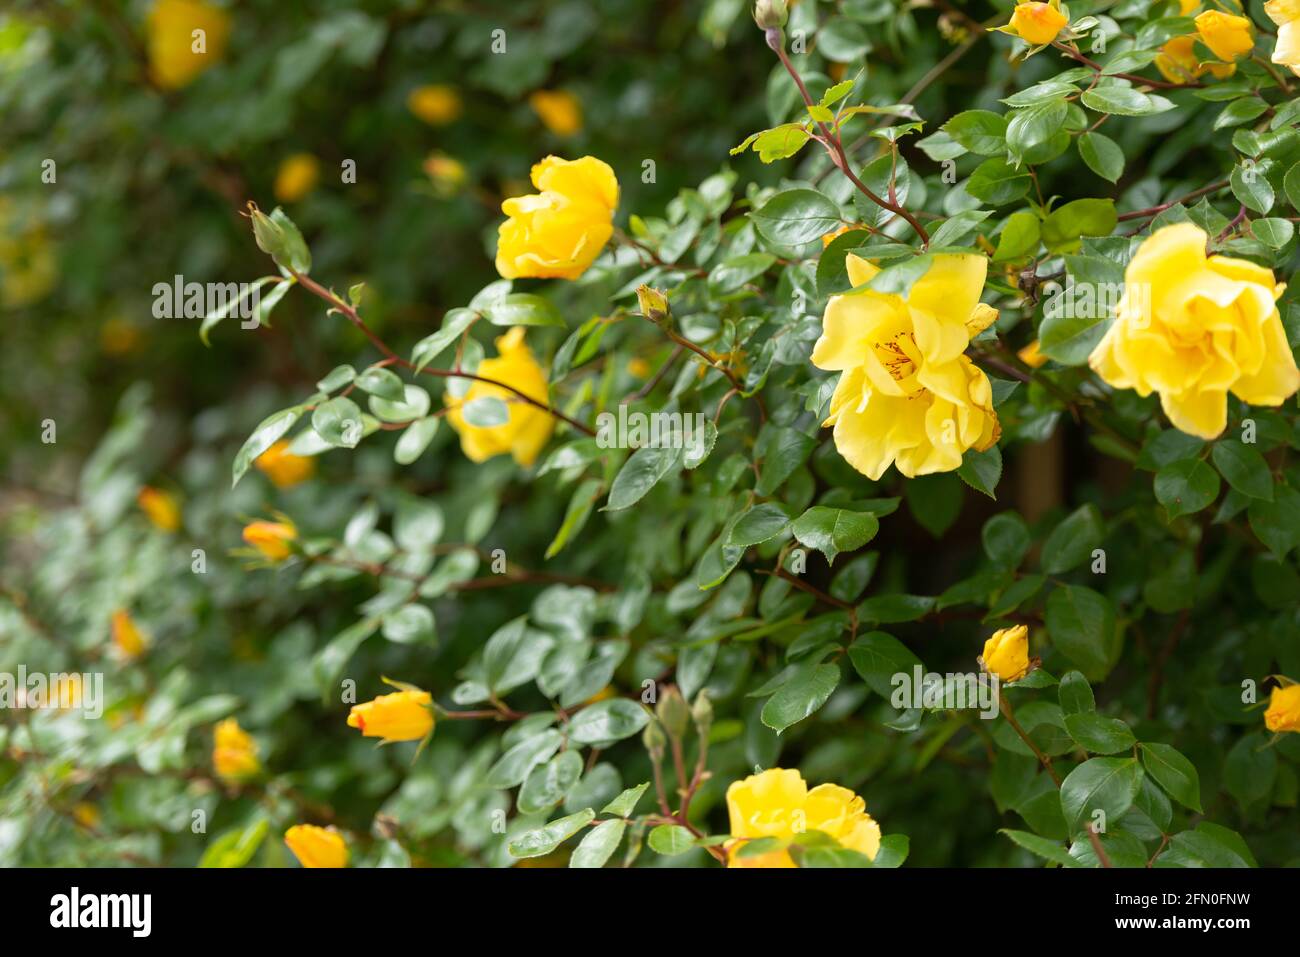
[(702, 714), (653, 739), (672, 712), (771, 14), (653, 302)]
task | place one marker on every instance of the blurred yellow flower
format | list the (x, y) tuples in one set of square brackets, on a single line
[(1031, 355), (1286, 14), (1037, 23), (527, 428), (1194, 328), (1006, 654), (906, 394), (559, 111), (1283, 712), (1178, 62), (777, 803), (400, 716), (117, 337), (65, 692), (297, 176), (447, 174), (127, 636), (317, 846), (185, 38), (161, 507), (284, 468), (1228, 36), (86, 814), (234, 752), (273, 539), (638, 367), (557, 233), (28, 265), (437, 104)]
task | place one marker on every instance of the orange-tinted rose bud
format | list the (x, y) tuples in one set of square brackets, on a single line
[(401, 716), (317, 846), (272, 539), (234, 752), (1283, 712), (284, 468), (161, 508), (127, 636)]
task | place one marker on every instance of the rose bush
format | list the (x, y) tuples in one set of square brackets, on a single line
[(870, 439)]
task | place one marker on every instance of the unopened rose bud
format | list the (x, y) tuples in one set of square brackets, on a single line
[(672, 712), (702, 714), (653, 302), (653, 739), (1006, 654), (771, 14)]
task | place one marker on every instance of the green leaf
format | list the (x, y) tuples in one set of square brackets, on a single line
[(523, 309), (982, 470), (1251, 187), (269, 431), (1064, 227), (1173, 772), (1019, 238), (606, 722), (980, 131), (410, 624), (1075, 694), (1103, 155), (1243, 467), (455, 322), (1123, 100), (379, 381), (513, 767), (625, 803), (733, 273), (1277, 523), (328, 663), (759, 524), (1186, 487), (414, 405), (1043, 847), (997, 182), (338, 422), (671, 840), (1006, 539), (799, 697), (639, 474), (834, 530), (877, 657), (236, 847), (542, 840), (598, 845), (1081, 623), (795, 217), (1073, 540), (547, 784), (1098, 733), (1105, 784), (415, 439)]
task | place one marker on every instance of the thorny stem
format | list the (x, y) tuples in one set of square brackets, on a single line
[(1043, 759)]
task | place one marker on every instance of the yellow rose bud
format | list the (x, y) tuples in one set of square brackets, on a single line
[(127, 636), (1031, 355), (234, 752), (527, 428), (65, 692), (1286, 14), (28, 264), (185, 38), (777, 803), (1006, 654), (282, 467), (907, 395), (436, 104), (163, 509), (317, 846), (638, 368), (1178, 62), (1037, 23), (1194, 328), (400, 716), (558, 233), (272, 539), (86, 814), (297, 176), (559, 111), (447, 174), (1228, 36), (1283, 712)]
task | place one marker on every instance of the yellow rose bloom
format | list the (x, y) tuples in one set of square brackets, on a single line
[(161, 508), (1283, 712), (1178, 62), (558, 233), (176, 53), (1228, 36), (1286, 14), (317, 846), (446, 173), (559, 111), (906, 394), (1006, 654), (400, 716), (127, 636), (527, 429), (234, 752), (282, 467), (777, 803), (1032, 356), (1037, 23), (66, 691), (28, 264), (436, 104), (1194, 328), (296, 177), (86, 814), (272, 539)]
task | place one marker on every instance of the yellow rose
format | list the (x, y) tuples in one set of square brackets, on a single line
[(400, 716), (177, 53), (1178, 62), (234, 752), (906, 393), (1283, 712), (282, 467), (559, 111), (436, 104), (446, 173), (272, 539), (1031, 355), (317, 846), (127, 636), (86, 814), (1037, 23), (162, 508), (66, 691), (527, 428), (1193, 329), (777, 803), (1006, 654), (297, 176), (28, 264), (557, 233), (1228, 36), (1286, 14)]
